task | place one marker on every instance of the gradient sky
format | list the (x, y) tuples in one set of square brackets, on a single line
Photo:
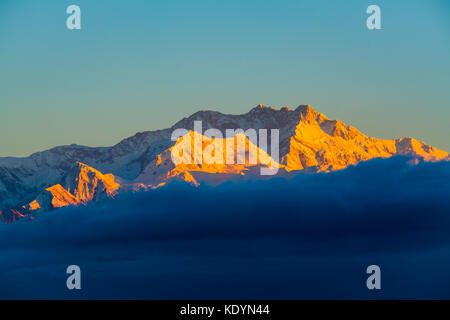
[(140, 65)]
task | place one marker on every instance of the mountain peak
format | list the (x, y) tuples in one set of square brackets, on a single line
[(82, 165), (80, 185), (302, 107), (306, 108), (261, 107), (85, 181), (211, 159)]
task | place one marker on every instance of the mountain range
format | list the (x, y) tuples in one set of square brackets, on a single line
[(75, 175)]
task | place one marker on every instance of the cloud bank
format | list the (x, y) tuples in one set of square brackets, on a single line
[(311, 236)]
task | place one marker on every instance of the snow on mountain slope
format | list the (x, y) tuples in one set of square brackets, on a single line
[(195, 157), (326, 145), (307, 140), (87, 183), (22, 179), (79, 185)]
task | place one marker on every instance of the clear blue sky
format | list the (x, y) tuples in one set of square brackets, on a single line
[(139, 65)]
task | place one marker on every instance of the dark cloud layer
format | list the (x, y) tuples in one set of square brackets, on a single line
[(311, 236)]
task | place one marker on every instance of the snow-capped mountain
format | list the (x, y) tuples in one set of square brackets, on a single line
[(73, 174), (80, 185), (213, 168)]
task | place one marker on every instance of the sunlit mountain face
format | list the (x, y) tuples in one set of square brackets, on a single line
[(307, 142)]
